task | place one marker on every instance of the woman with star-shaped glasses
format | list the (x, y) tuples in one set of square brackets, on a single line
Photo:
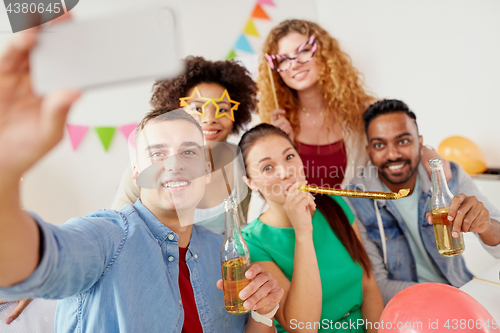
[(221, 95)]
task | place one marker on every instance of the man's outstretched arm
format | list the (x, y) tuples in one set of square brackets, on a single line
[(30, 126)]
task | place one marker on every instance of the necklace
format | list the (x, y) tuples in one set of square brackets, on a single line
[(313, 120), (308, 115)]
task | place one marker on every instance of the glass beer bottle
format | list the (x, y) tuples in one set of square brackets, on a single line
[(235, 260), (448, 246)]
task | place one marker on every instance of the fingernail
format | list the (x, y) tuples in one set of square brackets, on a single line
[(242, 295), (246, 305), (450, 218), (9, 320), (455, 234)]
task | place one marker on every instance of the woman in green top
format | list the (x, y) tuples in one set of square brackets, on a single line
[(307, 243)]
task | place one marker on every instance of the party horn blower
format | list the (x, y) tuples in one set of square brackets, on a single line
[(356, 194)]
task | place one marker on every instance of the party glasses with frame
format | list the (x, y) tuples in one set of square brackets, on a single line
[(282, 63), (196, 105)]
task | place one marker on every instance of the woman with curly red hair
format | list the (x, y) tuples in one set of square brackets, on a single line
[(320, 97), (222, 96), (321, 100)]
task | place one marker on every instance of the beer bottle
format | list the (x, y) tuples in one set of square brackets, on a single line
[(440, 205), (235, 260)]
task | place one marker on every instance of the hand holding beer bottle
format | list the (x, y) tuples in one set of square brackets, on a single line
[(246, 287), (449, 242), (235, 260), (466, 214)]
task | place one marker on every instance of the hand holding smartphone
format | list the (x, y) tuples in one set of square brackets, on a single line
[(139, 45)]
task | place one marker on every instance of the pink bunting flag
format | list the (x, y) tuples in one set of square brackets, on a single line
[(76, 134), (126, 130), (266, 2)]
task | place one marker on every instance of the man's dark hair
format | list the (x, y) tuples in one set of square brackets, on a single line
[(164, 114), (384, 107)]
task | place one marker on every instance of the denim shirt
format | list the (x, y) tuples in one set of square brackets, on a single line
[(400, 264), (119, 272)]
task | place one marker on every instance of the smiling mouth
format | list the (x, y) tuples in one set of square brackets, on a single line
[(175, 184), (300, 75), (396, 167), (210, 132)]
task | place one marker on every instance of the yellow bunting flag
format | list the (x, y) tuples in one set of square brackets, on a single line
[(250, 29)]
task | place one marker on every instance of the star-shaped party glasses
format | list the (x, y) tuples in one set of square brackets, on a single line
[(197, 104)]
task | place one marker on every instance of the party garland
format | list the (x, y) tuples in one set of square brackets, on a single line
[(242, 43), (105, 133)]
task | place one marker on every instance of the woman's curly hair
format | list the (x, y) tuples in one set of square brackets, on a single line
[(341, 85), (229, 74)]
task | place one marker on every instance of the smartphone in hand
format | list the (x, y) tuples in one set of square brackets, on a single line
[(138, 45)]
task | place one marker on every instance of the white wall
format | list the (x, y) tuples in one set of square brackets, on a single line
[(66, 183), (440, 57)]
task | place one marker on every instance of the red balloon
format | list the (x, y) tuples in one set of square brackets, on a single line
[(435, 308)]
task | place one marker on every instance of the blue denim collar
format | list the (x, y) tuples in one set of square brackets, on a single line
[(426, 183), (161, 232), (158, 229), (194, 246)]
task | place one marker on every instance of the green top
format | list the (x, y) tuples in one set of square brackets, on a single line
[(340, 275)]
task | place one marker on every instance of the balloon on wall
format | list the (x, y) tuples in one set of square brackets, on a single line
[(464, 152), (436, 308)]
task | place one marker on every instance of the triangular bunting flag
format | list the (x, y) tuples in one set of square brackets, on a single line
[(231, 55), (106, 135), (76, 134), (243, 44), (259, 13), (266, 2), (126, 130), (250, 29)]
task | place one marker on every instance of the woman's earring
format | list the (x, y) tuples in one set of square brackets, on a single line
[(256, 189)]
